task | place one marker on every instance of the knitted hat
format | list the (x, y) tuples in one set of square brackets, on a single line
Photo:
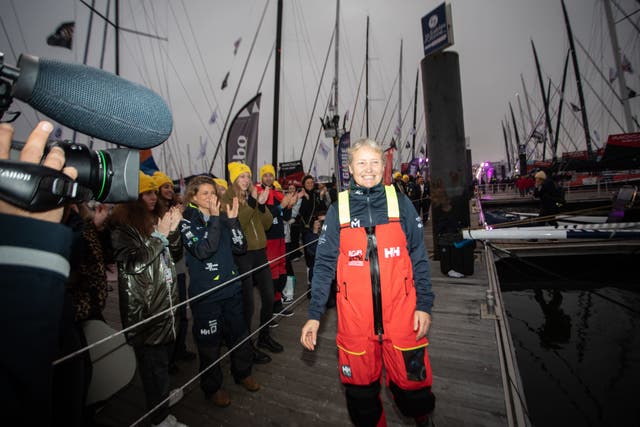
[(237, 168), (405, 177), (221, 182), (267, 169), (397, 175), (145, 183), (160, 179), (540, 175)]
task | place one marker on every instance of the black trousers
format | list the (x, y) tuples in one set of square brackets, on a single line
[(365, 406), (153, 365), (183, 325), (260, 278), (216, 321)]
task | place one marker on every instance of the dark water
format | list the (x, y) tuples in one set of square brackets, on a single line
[(574, 323)]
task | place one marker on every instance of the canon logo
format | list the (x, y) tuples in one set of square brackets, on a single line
[(13, 174)]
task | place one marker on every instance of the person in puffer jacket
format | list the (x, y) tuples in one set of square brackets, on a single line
[(145, 249), (211, 238)]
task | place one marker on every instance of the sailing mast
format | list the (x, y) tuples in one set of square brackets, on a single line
[(399, 128), (564, 81), (366, 81), (616, 56), (336, 116), (545, 101), (276, 90), (576, 69), (415, 112)]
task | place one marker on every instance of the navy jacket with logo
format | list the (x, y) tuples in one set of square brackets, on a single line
[(210, 247)]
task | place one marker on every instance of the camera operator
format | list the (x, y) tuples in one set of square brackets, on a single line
[(34, 266)]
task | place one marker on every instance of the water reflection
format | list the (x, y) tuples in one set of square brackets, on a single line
[(556, 328), (577, 345)]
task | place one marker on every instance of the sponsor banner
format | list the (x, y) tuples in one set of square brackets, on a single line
[(242, 139), (437, 30), (343, 159)]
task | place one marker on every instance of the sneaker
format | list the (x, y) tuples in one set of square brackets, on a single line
[(249, 383), (221, 399), (170, 421), (455, 274), (279, 310), (266, 341), (287, 300), (175, 396)]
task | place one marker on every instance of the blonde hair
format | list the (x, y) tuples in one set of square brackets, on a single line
[(364, 142)]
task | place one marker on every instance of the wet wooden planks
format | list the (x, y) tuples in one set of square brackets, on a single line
[(301, 388)]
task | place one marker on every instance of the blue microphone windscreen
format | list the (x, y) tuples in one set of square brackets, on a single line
[(101, 104)]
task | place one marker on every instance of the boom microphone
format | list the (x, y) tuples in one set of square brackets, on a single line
[(92, 101)]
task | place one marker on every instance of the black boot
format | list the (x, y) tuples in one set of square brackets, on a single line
[(265, 341), (260, 357)]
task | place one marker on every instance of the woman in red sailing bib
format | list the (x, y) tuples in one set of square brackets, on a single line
[(373, 240)]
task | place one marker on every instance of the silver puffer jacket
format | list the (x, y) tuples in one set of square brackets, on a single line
[(144, 265)]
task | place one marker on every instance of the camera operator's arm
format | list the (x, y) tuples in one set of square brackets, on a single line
[(34, 266)]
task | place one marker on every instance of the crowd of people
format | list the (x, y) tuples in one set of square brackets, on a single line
[(230, 237)]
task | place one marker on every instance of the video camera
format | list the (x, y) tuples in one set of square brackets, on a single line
[(91, 101)]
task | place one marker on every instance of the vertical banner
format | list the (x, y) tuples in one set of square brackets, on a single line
[(343, 160), (242, 139), (147, 163), (388, 165)]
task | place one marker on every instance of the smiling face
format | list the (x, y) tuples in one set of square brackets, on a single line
[(267, 179), (202, 197), (366, 166), (243, 181), (166, 191)]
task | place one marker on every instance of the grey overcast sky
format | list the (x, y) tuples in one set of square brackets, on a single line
[(492, 38)]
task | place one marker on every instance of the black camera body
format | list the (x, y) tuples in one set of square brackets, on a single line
[(109, 176)]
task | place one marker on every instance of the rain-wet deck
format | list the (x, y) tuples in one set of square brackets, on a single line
[(301, 388)]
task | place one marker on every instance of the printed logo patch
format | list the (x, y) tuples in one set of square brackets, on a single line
[(346, 370), (355, 223), (356, 258), (392, 252)]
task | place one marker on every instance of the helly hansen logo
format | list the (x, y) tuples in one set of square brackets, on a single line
[(236, 236), (392, 252), (213, 328), (346, 371)]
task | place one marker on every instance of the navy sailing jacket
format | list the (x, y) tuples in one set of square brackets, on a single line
[(210, 247), (368, 206)]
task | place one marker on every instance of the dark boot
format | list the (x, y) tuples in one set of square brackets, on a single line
[(265, 341), (260, 357)]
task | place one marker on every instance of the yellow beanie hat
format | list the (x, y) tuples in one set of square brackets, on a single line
[(160, 179), (397, 175), (145, 183), (235, 169), (267, 169), (405, 178), (221, 182)]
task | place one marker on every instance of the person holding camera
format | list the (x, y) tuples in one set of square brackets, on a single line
[(374, 240), (34, 272), (145, 249)]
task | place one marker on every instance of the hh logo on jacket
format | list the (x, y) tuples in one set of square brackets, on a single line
[(392, 252)]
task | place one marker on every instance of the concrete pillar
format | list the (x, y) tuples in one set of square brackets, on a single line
[(450, 175)]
